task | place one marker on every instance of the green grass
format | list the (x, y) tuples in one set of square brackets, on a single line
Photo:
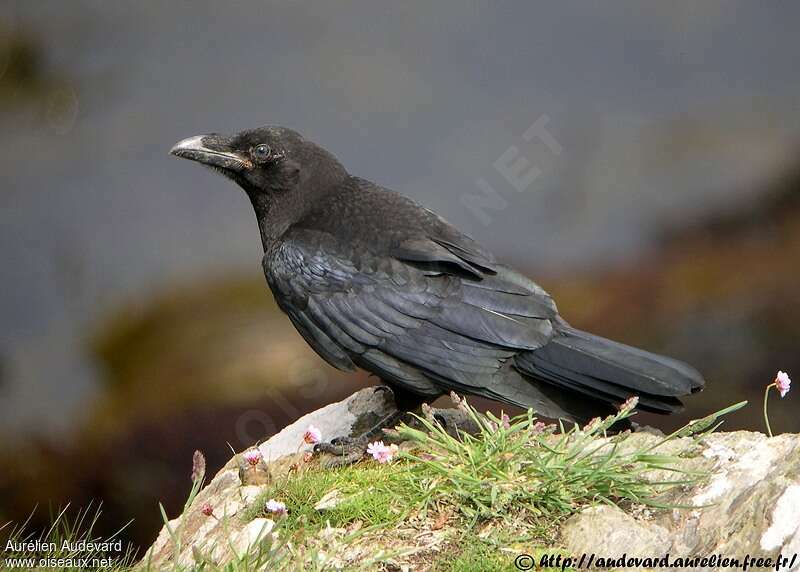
[(546, 473), (475, 555), (273, 551), (472, 553), (373, 494), (512, 474), (520, 479), (59, 545)]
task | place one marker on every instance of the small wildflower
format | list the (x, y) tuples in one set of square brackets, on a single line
[(630, 404), (539, 427), (592, 425), (783, 383), (198, 466), (307, 456), (207, 509), (459, 402), (381, 452), (505, 423), (427, 413), (275, 507), (253, 456), (312, 436)]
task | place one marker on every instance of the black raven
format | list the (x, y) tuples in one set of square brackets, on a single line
[(372, 279)]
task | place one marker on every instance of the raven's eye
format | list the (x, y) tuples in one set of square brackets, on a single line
[(262, 153)]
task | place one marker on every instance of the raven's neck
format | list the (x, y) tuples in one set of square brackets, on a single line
[(278, 210)]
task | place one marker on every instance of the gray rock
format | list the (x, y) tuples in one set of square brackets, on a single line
[(750, 505), (607, 530), (329, 501)]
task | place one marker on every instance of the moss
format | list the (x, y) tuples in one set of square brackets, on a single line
[(369, 493), (474, 555)]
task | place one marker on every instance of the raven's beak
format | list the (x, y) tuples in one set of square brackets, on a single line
[(213, 151)]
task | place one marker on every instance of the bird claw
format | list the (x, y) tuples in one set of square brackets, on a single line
[(348, 450), (343, 451)]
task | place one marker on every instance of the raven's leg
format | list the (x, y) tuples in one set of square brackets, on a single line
[(349, 449)]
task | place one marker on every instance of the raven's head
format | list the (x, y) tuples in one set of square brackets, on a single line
[(282, 173)]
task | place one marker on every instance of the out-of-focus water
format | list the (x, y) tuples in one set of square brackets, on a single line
[(650, 116)]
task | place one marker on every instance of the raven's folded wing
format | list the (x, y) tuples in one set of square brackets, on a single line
[(421, 316)]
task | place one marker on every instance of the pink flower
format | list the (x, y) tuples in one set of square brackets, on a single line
[(630, 404), (252, 456), (505, 423), (207, 509), (381, 452), (592, 425), (539, 427), (312, 436), (783, 383), (275, 507), (198, 466)]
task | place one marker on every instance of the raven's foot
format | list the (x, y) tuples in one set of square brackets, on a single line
[(345, 451), (341, 451)]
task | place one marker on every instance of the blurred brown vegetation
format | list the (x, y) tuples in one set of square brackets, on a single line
[(27, 84), (205, 367), (720, 293)]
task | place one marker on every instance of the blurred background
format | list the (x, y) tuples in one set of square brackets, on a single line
[(641, 161)]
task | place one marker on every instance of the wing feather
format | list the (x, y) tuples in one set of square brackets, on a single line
[(446, 329)]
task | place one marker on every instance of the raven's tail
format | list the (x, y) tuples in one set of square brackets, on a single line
[(609, 371)]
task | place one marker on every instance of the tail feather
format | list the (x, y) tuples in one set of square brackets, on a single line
[(611, 371)]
